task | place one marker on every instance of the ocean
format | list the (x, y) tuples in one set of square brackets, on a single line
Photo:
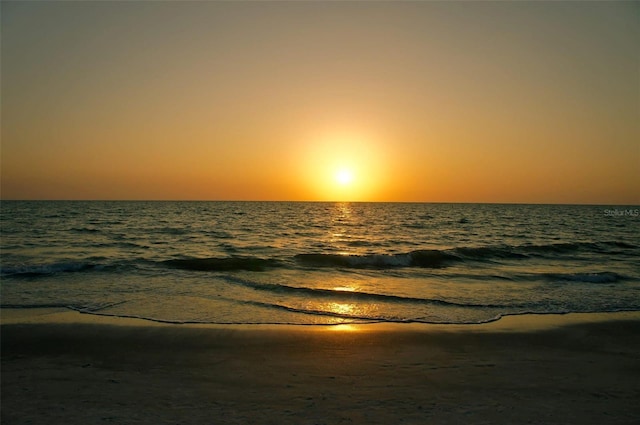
[(314, 263)]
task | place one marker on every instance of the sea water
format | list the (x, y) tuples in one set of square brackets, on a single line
[(319, 263)]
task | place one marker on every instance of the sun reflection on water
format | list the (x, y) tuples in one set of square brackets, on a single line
[(342, 308), (345, 327), (344, 288), (343, 211)]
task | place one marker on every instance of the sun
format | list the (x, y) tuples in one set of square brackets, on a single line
[(344, 176), (342, 166)]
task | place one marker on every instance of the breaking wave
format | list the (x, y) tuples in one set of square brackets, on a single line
[(223, 264), (423, 258), (47, 269)]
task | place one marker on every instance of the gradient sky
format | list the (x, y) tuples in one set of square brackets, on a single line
[(532, 102)]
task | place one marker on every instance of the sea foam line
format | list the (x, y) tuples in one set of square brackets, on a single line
[(352, 295)]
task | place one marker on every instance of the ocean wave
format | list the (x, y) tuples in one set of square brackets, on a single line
[(351, 295), (528, 251), (46, 269), (85, 265), (223, 264), (437, 258), (421, 258), (597, 277), (569, 247), (489, 252), (326, 313)]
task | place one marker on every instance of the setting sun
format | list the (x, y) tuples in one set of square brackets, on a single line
[(342, 163), (344, 177)]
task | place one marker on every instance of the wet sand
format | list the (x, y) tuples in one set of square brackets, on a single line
[(61, 367)]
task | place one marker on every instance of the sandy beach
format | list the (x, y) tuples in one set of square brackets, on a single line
[(63, 367)]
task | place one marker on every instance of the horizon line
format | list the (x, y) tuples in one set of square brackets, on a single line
[(322, 202)]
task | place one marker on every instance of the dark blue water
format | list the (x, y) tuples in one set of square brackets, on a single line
[(319, 263)]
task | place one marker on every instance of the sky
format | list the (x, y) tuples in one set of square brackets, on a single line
[(523, 102)]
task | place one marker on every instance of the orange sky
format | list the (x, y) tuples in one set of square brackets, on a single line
[(418, 101)]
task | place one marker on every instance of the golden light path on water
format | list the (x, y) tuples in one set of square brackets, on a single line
[(348, 309)]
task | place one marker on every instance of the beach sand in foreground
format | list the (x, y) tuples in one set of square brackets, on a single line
[(61, 367)]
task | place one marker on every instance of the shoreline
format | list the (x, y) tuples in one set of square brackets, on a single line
[(64, 367), (508, 323)]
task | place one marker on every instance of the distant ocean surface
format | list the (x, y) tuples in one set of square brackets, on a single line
[(319, 263)]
